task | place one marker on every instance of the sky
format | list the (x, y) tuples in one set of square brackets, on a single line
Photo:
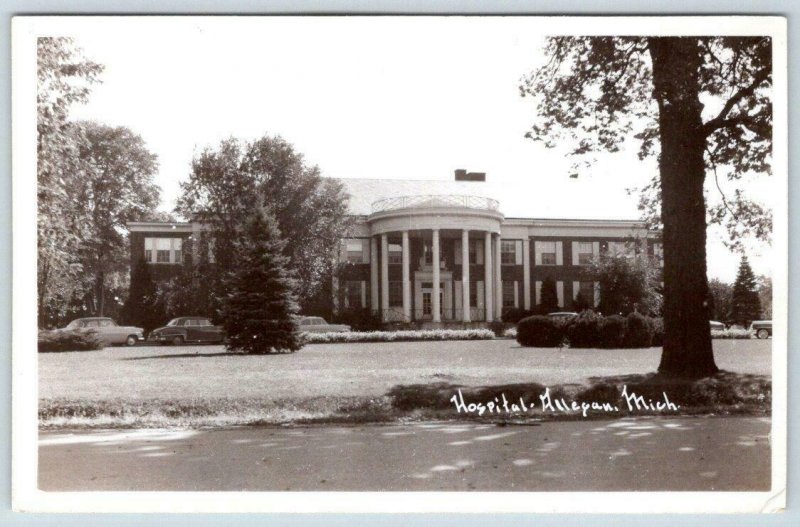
[(368, 98)]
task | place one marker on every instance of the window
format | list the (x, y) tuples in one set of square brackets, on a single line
[(547, 250), (395, 294), (107, 323), (619, 249), (428, 253), (352, 291), (395, 253), (163, 250), (473, 252), (585, 253), (658, 253), (509, 294), (586, 290), (355, 251), (473, 294), (508, 252)]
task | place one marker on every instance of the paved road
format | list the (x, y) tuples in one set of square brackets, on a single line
[(730, 453)]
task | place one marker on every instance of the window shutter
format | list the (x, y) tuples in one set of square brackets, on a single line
[(559, 253), (574, 253), (537, 251), (595, 249), (458, 252), (560, 293), (518, 252), (516, 293), (538, 292), (576, 288), (363, 294)]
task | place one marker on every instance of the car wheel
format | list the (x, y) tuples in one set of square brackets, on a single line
[(762, 334), (177, 340), (131, 340)]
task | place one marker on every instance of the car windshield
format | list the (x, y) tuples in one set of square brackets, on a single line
[(74, 324), (174, 322)]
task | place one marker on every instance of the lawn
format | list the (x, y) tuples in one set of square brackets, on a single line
[(324, 377)]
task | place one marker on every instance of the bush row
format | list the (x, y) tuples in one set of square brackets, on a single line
[(730, 334), (590, 330), (399, 336), (62, 340)]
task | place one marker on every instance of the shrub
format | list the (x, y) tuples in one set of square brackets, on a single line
[(72, 340), (497, 327), (658, 331), (359, 319), (398, 336), (612, 332), (512, 315), (540, 331), (730, 334), (584, 330), (639, 331)]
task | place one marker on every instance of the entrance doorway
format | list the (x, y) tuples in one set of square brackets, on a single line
[(427, 300)]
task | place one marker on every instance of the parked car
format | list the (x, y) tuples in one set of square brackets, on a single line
[(716, 325), (563, 315), (109, 331), (761, 328), (188, 329), (319, 325)]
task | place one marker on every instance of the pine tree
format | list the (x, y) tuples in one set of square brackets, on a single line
[(745, 304), (548, 302), (142, 307), (258, 312)]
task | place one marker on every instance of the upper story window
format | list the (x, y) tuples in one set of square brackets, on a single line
[(163, 250), (547, 250), (619, 249), (508, 252), (427, 248), (585, 252), (395, 253), (355, 251)]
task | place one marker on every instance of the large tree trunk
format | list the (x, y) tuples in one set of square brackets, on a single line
[(687, 336)]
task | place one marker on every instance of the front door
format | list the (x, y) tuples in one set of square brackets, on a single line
[(427, 302)]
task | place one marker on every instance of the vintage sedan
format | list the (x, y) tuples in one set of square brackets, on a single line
[(318, 325), (108, 330), (761, 328), (182, 330)]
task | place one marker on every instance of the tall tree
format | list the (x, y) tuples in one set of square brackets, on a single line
[(627, 284), (64, 78), (143, 307), (745, 303), (227, 183), (548, 296), (720, 300), (117, 187), (600, 92), (765, 296), (258, 313)]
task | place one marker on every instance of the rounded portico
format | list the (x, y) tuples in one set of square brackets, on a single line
[(435, 258)]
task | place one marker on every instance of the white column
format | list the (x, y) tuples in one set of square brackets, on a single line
[(435, 303), (384, 277), (374, 274), (526, 273), (498, 284), (488, 276), (406, 280), (465, 300)]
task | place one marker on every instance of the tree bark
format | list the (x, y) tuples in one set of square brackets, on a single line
[(687, 336)]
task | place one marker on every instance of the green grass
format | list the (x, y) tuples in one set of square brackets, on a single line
[(203, 385)]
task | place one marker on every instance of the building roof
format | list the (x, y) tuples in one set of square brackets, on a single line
[(524, 199)]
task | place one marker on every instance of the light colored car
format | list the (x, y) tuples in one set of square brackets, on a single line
[(109, 331), (761, 328), (319, 325), (716, 325), (563, 315)]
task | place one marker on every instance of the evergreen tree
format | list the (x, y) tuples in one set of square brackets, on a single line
[(548, 302), (258, 312), (745, 304), (580, 303), (143, 308)]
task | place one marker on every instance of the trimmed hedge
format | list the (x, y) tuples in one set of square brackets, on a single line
[(638, 332), (399, 336), (612, 331), (63, 340), (583, 331), (540, 331), (731, 334)]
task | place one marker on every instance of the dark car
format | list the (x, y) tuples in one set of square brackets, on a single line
[(188, 329), (761, 328)]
